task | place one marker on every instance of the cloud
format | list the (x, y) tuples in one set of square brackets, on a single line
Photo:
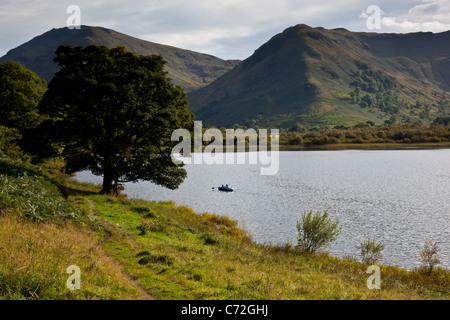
[(230, 29), (427, 15), (202, 25)]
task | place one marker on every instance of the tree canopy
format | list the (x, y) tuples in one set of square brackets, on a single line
[(20, 92), (112, 112)]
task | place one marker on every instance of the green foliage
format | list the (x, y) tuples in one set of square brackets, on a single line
[(297, 128), (429, 255), (211, 238), (146, 225), (155, 259), (20, 92), (367, 133), (112, 112), (443, 121), (26, 285), (27, 191), (371, 80), (371, 251), (316, 230), (8, 142), (147, 258), (144, 210)]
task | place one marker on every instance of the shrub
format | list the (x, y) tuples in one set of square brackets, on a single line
[(316, 230), (296, 141), (143, 254), (8, 142), (371, 251), (144, 210), (196, 277), (147, 225), (158, 259), (429, 255), (211, 238), (25, 190)]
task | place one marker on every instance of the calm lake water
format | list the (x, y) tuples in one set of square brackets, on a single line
[(399, 197)]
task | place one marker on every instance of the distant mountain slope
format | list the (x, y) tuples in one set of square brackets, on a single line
[(191, 70), (320, 77)]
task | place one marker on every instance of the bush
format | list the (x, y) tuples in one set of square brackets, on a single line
[(147, 226), (148, 258), (371, 251), (296, 141), (429, 255), (211, 238), (316, 231), (8, 142), (26, 191), (149, 213)]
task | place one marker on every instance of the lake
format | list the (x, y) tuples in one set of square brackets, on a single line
[(399, 197)]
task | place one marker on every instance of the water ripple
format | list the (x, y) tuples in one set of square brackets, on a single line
[(399, 197)]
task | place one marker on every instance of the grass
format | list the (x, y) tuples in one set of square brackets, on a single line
[(141, 248), (35, 256), (41, 235)]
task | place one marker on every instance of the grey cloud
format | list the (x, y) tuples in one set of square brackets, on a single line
[(227, 29)]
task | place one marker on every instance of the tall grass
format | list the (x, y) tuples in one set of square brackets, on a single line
[(41, 235), (26, 190), (34, 259)]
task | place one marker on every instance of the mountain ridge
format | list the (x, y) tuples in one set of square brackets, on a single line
[(310, 75), (189, 69), (314, 77)]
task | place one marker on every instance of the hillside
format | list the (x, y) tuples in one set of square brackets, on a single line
[(188, 69), (134, 249), (320, 77)]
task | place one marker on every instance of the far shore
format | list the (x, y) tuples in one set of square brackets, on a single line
[(360, 146), (368, 146)]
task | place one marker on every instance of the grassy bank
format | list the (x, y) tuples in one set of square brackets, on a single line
[(41, 235), (135, 249)]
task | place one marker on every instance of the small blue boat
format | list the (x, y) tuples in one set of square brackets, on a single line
[(226, 188)]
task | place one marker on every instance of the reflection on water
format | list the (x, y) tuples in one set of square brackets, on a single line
[(399, 197)]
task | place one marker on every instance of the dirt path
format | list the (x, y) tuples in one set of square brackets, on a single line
[(109, 235)]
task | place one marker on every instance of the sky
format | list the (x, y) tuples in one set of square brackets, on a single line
[(228, 29)]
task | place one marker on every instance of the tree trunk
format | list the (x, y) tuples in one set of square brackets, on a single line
[(107, 183)]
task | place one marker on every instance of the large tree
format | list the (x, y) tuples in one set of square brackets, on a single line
[(20, 92), (112, 112)]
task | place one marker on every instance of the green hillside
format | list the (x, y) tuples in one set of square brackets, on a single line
[(319, 77), (131, 249), (188, 69)]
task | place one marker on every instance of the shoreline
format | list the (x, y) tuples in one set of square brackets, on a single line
[(367, 146), (357, 146)]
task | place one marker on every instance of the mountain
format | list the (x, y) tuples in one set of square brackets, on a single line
[(319, 77), (188, 69)]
